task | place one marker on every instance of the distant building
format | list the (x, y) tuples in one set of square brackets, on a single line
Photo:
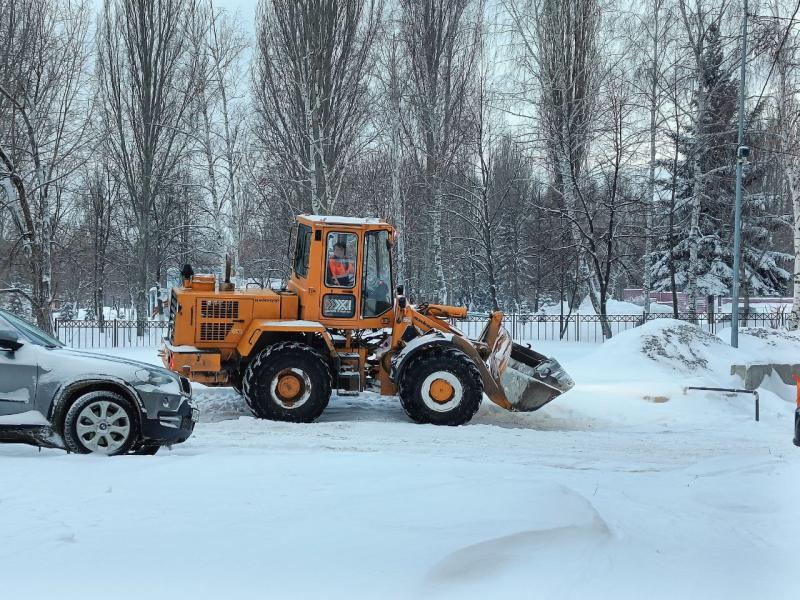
[(636, 296)]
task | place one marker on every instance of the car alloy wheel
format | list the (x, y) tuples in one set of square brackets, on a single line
[(103, 427)]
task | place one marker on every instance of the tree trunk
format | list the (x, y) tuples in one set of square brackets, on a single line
[(604, 324), (441, 281), (142, 271), (649, 204), (234, 240), (398, 216), (648, 215), (698, 189), (694, 239), (794, 315)]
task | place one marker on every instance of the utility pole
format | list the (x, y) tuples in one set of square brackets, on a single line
[(742, 153)]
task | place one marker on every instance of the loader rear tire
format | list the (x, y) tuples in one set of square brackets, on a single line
[(441, 386), (288, 381)]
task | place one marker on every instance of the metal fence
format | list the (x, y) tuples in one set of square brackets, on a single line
[(571, 328), (589, 328), (110, 334)]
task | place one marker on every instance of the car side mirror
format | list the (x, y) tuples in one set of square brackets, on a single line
[(9, 340)]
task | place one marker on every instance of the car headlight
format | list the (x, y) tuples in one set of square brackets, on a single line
[(153, 377)]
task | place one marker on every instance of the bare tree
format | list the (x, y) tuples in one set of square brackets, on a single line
[(441, 44), (654, 38), (787, 134), (147, 78), (101, 199), (480, 195), (391, 73), (312, 98), (44, 114), (559, 43), (218, 44), (606, 223)]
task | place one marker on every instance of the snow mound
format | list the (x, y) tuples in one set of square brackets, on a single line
[(677, 345), (640, 379), (683, 346), (688, 349), (762, 345)]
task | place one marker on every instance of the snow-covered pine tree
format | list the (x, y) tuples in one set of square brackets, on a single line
[(702, 252)]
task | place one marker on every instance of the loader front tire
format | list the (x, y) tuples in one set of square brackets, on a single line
[(441, 386), (288, 381)]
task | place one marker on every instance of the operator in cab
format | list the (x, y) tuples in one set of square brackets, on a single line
[(340, 268)]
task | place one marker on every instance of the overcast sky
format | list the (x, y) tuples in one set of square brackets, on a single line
[(245, 8)]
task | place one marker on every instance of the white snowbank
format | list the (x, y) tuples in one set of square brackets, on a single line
[(634, 375), (765, 345)]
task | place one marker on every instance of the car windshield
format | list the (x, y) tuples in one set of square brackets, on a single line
[(29, 332)]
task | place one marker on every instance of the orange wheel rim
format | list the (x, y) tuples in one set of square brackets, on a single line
[(441, 391), (289, 386)]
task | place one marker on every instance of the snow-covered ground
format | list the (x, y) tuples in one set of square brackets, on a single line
[(624, 488)]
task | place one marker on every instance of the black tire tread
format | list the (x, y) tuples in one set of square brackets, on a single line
[(437, 359), (268, 411)]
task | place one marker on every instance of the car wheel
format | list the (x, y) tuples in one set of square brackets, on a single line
[(101, 422)]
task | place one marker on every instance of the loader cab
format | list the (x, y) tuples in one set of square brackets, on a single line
[(342, 271)]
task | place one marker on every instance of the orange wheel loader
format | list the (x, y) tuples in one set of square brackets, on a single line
[(341, 326)]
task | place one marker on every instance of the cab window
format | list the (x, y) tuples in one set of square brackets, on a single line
[(302, 250), (376, 297), (340, 261)]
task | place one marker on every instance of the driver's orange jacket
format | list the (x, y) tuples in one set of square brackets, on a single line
[(339, 267)]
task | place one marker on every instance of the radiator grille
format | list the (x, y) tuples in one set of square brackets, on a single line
[(214, 332), (173, 311), (219, 309)]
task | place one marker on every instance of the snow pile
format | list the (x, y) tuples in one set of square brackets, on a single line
[(767, 345), (683, 346), (686, 349), (639, 379)]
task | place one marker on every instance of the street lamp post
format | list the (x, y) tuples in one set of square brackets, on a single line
[(742, 153)]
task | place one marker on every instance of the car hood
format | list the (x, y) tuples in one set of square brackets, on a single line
[(62, 359)]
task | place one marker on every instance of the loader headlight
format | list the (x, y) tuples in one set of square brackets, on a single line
[(338, 305)]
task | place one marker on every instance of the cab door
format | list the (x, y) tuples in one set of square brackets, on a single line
[(340, 278)]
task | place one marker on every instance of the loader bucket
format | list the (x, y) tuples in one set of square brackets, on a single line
[(531, 380)]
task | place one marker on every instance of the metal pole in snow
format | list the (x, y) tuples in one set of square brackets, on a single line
[(741, 155)]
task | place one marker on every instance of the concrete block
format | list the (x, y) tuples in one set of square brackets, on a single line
[(753, 375)]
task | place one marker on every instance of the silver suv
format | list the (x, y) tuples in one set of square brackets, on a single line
[(57, 397)]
